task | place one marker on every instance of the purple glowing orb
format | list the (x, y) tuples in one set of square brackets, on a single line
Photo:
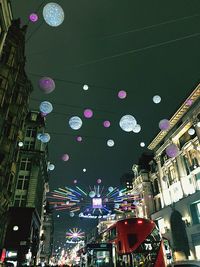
[(172, 151), (47, 85), (65, 157), (75, 181), (79, 139), (88, 113), (33, 17), (164, 125), (98, 181), (106, 124), (122, 94)]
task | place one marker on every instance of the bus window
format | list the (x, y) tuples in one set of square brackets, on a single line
[(113, 233), (132, 239)]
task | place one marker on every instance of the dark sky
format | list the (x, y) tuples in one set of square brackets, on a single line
[(90, 48)]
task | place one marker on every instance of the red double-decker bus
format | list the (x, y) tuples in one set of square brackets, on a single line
[(137, 241)]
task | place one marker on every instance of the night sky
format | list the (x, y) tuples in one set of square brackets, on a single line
[(143, 47)]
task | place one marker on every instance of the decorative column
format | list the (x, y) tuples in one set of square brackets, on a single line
[(161, 182), (197, 129), (181, 171)]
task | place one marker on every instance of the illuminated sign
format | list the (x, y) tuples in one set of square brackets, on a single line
[(97, 203), (11, 254)]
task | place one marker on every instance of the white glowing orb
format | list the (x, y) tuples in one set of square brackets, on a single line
[(156, 99), (20, 144), (15, 228), (84, 170), (85, 87), (75, 123), (137, 128), (191, 131), (53, 14), (110, 143), (127, 123), (51, 167), (142, 144)]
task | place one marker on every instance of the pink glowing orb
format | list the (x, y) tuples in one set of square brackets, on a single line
[(164, 125), (88, 113), (98, 181), (65, 157), (75, 181), (188, 102), (172, 151), (122, 94), (79, 138), (47, 85), (33, 17), (106, 124)]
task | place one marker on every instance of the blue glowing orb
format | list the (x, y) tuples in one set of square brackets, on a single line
[(53, 14), (46, 107), (75, 123)]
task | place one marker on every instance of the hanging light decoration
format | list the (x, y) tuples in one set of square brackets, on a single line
[(172, 151), (191, 131), (106, 124), (53, 14), (51, 167), (85, 87), (142, 144), (65, 157), (98, 181), (127, 123), (137, 128), (20, 144), (46, 107), (75, 122), (75, 181), (110, 143), (88, 113), (122, 94), (47, 85), (45, 138), (92, 194), (79, 139), (110, 188), (164, 125), (71, 214), (33, 17), (156, 99)]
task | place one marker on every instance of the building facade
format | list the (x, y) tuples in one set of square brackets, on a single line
[(15, 89), (176, 180), (30, 190)]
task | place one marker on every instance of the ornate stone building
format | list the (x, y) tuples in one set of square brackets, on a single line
[(176, 180), (15, 89)]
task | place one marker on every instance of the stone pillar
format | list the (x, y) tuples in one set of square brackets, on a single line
[(181, 171), (161, 182), (197, 129)]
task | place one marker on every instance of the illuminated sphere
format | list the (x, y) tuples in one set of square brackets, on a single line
[(88, 113), (45, 138), (20, 144), (53, 14), (84, 170), (65, 157), (198, 124), (79, 139), (71, 214), (33, 17), (122, 94), (142, 144), (75, 123), (75, 181), (191, 131), (51, 167), (137, 128), (92, 194), (47, 85), (110, 188), (127, 123), (164, 125), (172, 151), (106, 124), (189, 102), (15, 228), (156, 99), (46, 107), (85, 87), (110, 143), (98, 181)]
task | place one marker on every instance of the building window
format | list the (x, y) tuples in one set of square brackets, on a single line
[(195, 212), (25, 164), (20, 201), (29, 144), (31, 132), (23, 182)]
